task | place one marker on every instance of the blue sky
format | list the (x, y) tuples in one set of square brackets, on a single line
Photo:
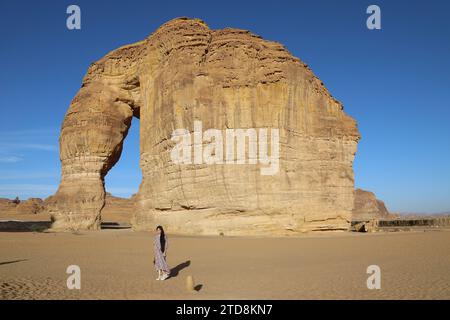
[(395, 82)]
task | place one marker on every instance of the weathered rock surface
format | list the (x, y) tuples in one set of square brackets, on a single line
[(228, 78), (368, 207)]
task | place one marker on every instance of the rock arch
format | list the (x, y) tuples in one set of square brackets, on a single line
[(227, 78), (91, 139)]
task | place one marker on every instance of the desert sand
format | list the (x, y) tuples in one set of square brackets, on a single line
[(117, 264)]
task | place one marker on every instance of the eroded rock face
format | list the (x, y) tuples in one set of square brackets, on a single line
[(186, 72), (368, 207)]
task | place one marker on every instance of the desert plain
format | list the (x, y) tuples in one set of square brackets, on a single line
[(117, 264)]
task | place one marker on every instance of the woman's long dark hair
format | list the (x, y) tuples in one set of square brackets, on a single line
[(162, 238)]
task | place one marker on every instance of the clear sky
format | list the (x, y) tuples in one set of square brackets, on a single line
[(395, 82)]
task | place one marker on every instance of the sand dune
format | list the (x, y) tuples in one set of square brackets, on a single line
[(117, 264)]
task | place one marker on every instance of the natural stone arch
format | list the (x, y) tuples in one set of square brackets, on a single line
[(228, 78), (91, 139)]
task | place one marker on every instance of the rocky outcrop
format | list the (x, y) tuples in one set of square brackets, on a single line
[(183, 74), (30, 206), (367, 206), (115, 206), (7, 206)]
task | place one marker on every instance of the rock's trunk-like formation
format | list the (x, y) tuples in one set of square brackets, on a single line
[(186, 72)]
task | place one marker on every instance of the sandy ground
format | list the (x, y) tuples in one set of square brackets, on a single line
[(117, 264)]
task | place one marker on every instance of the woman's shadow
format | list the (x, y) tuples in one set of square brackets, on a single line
[(175, 270)]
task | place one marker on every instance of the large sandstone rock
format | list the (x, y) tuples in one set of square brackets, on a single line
[(186, 72), (367, 206)]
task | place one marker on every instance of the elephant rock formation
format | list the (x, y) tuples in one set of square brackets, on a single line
[(230, 78)]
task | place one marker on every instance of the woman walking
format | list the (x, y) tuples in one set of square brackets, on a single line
[(160, 247)]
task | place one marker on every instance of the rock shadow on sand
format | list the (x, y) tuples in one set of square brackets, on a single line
[(198, 287)]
